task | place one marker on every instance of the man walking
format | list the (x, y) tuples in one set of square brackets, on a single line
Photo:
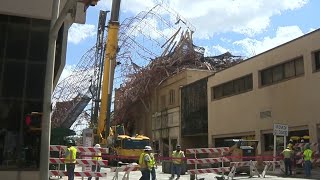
[(288, 154), (144, 162), (307, 155), (177, 156), (70, 159), (153, 165), (96, 157)]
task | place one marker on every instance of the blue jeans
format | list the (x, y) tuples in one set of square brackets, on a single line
[(145, 174), (176, 169), (307, 168), (93, 170), (288, 163), (153, 173), (70, 170)]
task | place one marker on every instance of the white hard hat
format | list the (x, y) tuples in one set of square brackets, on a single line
[(147, 148), (97, 146)]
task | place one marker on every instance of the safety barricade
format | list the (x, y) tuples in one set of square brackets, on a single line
[(78, 161), (251, 164), (196, 161), (299, 161), (126, 169), (268, 165)]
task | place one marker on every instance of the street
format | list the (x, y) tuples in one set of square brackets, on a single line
[(135, 175)]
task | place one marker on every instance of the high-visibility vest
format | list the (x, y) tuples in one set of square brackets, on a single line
[(152, 162), (287, 153), (142, 162), (307, 154), (71, 155), (97, 156), (176, 155)]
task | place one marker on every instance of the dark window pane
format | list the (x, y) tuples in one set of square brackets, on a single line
[(299, 66), (35, 81), (17, 42), (289, 70), (317, 59), (218, 92), (239, 85), (266, 77), (13, 81), (277, 73), (38, 46), (228, 89), (3, 31), (248, 82)]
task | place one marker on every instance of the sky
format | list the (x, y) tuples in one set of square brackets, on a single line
[(242, 27)]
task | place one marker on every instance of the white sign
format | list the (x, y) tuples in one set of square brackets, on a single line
[(280, 130)]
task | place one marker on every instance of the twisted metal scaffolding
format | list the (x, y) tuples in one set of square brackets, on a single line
[(153, 45)]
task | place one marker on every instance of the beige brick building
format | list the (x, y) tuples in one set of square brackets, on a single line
[(281, 86), (166, 129)]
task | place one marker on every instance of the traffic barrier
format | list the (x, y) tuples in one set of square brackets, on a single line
[(81, 174), (90, 162), (196, 161), (252, 168), (267, 165), (80, 161), (127, 169), (80, 149)]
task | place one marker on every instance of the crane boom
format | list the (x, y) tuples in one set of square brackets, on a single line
[(108, 74)]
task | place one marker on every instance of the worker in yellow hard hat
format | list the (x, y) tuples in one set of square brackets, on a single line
[(288, 155)]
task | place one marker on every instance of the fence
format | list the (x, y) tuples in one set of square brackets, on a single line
[(80, 149)]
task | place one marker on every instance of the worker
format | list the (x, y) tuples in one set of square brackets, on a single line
[(307, 155), (97, 156), (177, 156), (288, 155), (144, 162), (70, 159), (153, 166)]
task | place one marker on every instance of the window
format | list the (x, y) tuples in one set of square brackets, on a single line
[(233, 87), (282, 71), (171, 96), (163, 102), (317, 60)]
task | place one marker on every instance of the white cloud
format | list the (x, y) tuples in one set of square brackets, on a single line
[(67, 71), (283, 35), (215, 50), (247, 17), (80, 32)]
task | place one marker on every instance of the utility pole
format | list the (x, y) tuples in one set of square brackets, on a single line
[(56, 22)]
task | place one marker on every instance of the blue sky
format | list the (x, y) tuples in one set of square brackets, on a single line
[(242, 27)]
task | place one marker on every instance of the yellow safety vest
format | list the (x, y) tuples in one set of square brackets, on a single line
[(177, 155), (71, 155), (97, 156), (142, 162), (287, 153), (152, 162), (307, 154)]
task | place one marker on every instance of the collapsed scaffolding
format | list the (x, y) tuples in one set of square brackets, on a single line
[(153, 46)]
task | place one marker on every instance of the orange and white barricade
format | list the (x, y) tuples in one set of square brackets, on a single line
[(78, 161), (251, 164), (268, 164), (197, 161), (299, 155), (126, 169)]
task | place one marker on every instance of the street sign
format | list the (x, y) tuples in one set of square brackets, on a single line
[(280, 130)]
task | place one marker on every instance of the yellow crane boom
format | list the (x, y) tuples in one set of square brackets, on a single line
[(108, 73)]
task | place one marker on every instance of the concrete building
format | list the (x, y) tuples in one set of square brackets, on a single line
[(166, 110), (24, 32), (281, 85)]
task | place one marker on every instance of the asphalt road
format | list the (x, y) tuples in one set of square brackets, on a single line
[(135, 175)]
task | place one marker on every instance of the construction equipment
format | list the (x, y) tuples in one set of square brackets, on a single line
[(125, 147), (114, 137), (242, 150)]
